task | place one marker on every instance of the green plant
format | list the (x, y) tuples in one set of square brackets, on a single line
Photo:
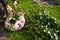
[(34, 28), (42, 26)]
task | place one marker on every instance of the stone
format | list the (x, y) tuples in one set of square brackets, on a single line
[(47, 2)]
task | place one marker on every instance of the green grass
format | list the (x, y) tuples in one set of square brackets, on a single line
[(27, 6)]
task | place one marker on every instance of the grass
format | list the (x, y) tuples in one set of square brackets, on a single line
[(27, 6)]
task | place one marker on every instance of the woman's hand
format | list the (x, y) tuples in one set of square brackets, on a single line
[(18, 25)]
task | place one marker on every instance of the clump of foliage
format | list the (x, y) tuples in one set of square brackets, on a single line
[(42, 26)]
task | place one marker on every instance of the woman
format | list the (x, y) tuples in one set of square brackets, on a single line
[(19, 24)]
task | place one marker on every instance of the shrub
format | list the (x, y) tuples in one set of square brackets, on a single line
[(41, 26)]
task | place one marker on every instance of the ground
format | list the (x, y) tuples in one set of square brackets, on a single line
[(25, 6)]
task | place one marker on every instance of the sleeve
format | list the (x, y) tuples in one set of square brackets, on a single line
[(4, 2)]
